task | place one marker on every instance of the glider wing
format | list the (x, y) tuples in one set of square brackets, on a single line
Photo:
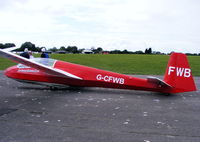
[(36, 65)]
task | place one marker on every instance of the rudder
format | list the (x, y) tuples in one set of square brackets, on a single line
[(178, 74)]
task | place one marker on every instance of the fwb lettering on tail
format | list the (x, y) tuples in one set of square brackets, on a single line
[(185, 72)]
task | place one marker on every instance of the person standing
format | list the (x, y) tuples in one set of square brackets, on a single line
[(25, 54), (44, 54), (30, 54)]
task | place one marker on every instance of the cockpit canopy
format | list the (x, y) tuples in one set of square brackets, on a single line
[(45, 61)]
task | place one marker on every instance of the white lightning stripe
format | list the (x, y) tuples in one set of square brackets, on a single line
[(66, 73)]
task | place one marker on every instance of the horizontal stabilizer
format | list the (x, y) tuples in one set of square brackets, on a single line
[(158, 81)]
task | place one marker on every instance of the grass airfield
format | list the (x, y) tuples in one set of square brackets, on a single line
[(121, 63)]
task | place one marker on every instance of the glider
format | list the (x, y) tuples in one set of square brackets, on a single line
[(178, 77)]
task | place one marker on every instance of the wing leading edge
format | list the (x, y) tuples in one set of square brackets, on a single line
[(36, 65)]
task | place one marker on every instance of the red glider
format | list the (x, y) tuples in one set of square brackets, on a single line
[(178, 77)]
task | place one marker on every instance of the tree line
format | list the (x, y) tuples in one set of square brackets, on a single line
[(75, 50)]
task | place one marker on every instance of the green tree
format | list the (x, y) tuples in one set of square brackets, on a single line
[(125, 52), (30, 46), (6, 45), (99, 50), (148, 51), (54, 49), (72, 49), (115, 52), (62, 48), (81, 50), (1, 46), (139, 52)]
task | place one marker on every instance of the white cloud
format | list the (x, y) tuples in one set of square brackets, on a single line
[(165, 25)]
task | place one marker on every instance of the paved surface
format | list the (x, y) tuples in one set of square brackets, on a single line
[(37, 114)]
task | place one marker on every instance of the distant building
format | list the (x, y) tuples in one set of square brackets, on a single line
[(48, 52), (61, 52), (105, 52), (87, 51)]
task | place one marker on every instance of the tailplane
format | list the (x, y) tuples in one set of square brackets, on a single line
[(179, 75)]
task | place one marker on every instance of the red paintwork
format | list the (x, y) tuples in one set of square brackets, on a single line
[(180, 83), (92, 77), (88, 74)]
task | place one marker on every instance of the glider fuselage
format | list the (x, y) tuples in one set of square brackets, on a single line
[(89, 77)]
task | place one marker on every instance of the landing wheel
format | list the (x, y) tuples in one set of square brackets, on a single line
[(53, 88)]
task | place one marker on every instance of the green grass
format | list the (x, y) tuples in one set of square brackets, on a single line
[(5, 63), (195, 64), (121, 63)]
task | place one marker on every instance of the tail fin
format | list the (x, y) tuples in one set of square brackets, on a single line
[(178, 74)]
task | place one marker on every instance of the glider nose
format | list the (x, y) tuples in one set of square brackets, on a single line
[(9, 72)]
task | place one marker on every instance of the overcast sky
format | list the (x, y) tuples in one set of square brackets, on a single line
[(164, 25)]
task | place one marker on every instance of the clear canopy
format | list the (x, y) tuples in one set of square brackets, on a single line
[(45, 61)]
